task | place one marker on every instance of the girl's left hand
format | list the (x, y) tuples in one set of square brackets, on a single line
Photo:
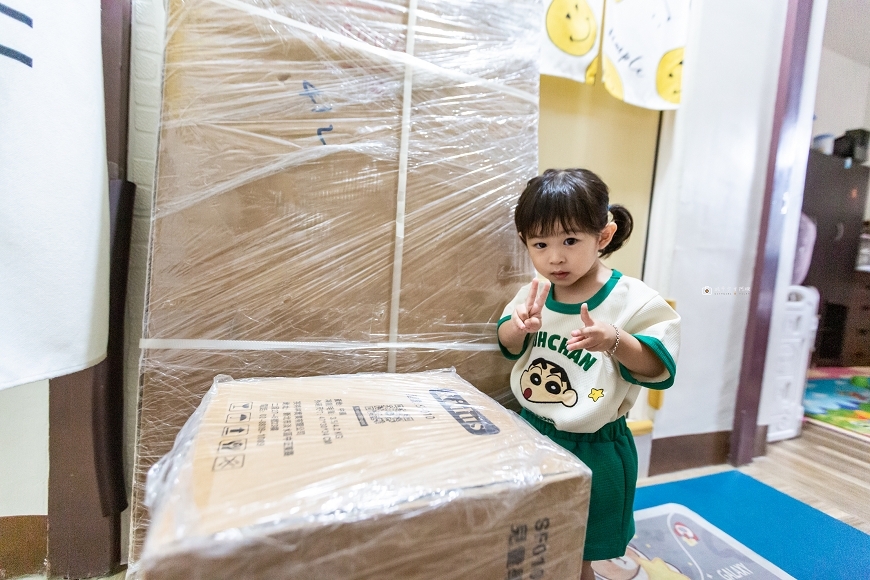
[(595, 336)]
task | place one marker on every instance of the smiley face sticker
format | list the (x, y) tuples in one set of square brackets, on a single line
[(571, 26), (669, 75), (642, 50), (610, 76), (591, 71)]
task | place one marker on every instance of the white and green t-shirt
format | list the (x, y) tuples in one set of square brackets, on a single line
[(580, 391)]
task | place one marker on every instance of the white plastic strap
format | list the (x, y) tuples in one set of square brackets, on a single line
[(206, 344), (395, 56), (402, 188)]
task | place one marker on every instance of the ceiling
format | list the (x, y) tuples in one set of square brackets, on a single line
[(847, 29)]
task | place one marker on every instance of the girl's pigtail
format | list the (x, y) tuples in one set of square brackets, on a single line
[(624, 224)]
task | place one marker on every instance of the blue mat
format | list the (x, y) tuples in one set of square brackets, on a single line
[(801, 540)]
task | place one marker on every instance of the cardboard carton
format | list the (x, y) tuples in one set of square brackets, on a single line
[(276, 216), (407, 476)]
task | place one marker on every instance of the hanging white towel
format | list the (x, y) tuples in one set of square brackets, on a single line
[(54, 221)]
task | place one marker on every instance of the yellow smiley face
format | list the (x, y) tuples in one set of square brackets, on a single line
[(591, 71), (610, 77), (669, 76), (571, 26)]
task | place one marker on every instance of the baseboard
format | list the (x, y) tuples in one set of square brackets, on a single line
[(760, 441), (84, 541), (23, 545), (671, 454)]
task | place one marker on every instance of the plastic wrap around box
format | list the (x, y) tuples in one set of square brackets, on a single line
[(406, 476), (334, 194)]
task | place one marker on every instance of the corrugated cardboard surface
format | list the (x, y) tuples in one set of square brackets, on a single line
[(265, 229), (364, 476)]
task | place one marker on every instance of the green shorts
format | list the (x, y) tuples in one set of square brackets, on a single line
[(611, 455)]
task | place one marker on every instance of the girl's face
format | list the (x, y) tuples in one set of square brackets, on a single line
[(566, 257)]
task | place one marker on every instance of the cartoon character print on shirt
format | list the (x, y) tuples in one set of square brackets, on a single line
[(546, 382)]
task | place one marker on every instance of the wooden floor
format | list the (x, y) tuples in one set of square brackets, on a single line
[(826, 468)]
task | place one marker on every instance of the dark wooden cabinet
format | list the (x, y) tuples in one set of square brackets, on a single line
[(856, 340), (834, 198)]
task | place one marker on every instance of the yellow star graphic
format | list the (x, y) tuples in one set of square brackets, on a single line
[(596, 394)]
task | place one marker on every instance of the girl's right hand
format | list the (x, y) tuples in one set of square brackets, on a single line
[(527, 317)]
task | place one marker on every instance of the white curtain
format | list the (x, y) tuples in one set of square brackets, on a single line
[(54, 222), (706, 209)]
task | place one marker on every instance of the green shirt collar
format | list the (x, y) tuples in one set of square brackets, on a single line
[(592, 303)]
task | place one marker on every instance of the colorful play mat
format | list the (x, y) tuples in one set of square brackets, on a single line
[(840, 397)]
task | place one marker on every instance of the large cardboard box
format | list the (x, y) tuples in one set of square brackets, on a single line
[(334, 194), (389, 476)]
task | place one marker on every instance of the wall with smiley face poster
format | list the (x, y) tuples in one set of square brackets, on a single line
[(643, 43), (572, 40)]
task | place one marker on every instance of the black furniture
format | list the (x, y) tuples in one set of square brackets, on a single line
[(834, 198)]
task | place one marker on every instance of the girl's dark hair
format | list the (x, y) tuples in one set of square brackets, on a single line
[(575, 200)]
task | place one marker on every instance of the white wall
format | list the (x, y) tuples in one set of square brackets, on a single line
[(842, 98), (707, 202), (24, 450)]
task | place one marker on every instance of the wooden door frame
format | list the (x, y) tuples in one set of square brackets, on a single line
[(780, 170)]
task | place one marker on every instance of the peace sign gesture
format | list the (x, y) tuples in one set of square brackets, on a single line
[(527, 317)]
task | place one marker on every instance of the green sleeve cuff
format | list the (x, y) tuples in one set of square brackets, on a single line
[(660, 351), (508, 354)]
